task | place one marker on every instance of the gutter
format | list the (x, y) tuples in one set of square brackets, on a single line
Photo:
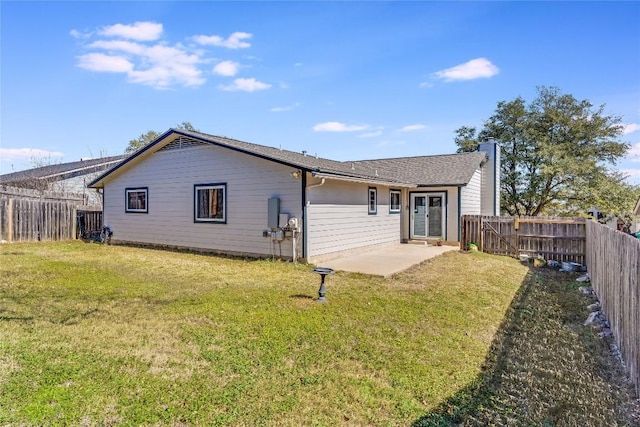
[(337, 177)]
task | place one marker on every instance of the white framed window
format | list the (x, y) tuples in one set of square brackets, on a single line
[(395, 197), (210, 203), (136, 200), (373, 200)]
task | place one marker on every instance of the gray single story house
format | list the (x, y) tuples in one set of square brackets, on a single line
[(71, 177), (193, 190)]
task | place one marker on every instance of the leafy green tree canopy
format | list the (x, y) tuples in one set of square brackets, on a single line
[(556, 151), (150, 136)]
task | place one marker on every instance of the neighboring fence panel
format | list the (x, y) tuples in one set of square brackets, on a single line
[(560, 239), (613, 262), (34, 220), (33, 215)]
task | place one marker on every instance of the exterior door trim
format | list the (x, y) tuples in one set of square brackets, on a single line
[(412, 213)]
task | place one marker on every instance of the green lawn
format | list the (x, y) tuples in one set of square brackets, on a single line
[(108, 335)]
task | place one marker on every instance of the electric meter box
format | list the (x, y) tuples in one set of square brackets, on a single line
[(273, 216)]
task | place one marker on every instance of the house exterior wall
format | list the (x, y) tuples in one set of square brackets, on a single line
[(78, 184), (338, 218), (470, 195), (452, 218), (170, 176), (490, 203)]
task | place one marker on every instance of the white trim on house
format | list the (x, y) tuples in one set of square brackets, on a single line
[(422, 223)]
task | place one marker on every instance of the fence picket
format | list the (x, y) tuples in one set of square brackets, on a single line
[(30, 215), (561, 239), (613, 261)]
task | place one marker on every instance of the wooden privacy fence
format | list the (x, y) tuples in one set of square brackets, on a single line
[(613, 262), (556, 238), (28, 215)]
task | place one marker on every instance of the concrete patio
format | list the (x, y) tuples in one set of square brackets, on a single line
[(387, 260)]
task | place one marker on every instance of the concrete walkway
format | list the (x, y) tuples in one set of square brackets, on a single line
[(386, 260)]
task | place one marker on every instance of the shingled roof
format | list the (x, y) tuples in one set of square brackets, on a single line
[(62, 170), (428, 171), (454, 169)]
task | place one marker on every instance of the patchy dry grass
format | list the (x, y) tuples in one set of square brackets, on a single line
[(545, 367), (100, 335)]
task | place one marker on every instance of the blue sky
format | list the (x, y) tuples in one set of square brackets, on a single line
[(345, 80)]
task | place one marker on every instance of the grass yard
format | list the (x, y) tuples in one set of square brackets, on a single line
[(107, 335)]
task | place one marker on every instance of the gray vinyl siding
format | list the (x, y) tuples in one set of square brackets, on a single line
[(490, 202), (470, 195), (170, 177), (338, 218), (78, 185)]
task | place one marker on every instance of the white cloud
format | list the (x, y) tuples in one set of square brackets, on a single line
[(235, 40), (155, 65), (473, 69), (298, 64), (338, 127), (426, 84), (246, 85), (388, 143), (26, 153), (79, 34), (105, 63), (633, 175), (119, 45), (634, 153), (137, 52), (370, 134), (142, 31), (287, 108), (630, 128), (226, 68), (411, 128)]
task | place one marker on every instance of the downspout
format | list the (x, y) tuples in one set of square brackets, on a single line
[(495, 175), (317, 185), (459, 210), (305, 255), (304, 213)]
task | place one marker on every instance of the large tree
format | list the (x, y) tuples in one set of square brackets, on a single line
[(150, 136), (557, 152)]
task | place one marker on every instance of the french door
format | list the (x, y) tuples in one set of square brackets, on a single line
[(427, 218)]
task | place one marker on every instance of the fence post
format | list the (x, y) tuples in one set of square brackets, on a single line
[(74, 227), (10, 221)]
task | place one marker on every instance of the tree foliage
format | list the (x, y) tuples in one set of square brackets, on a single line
[(557, 153), (150, 136)]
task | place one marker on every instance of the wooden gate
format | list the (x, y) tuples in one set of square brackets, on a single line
[(556, 238)]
